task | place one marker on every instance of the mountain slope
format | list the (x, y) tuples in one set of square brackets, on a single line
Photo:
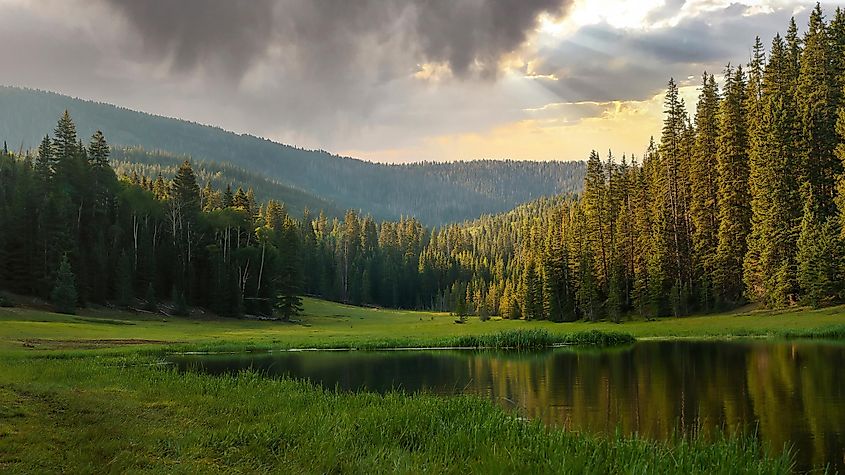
[(150, 164), (436, 193)]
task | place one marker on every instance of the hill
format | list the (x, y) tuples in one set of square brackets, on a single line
[(127, 160), (435, 193)]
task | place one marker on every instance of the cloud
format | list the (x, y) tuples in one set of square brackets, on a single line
[(600, 62), (389, 77), (324, 73), (187, 33), (469, 36)]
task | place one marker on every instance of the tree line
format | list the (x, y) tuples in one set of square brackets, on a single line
[(741, 202), (73, 232)]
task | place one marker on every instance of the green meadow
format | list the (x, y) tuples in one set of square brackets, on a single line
[(87, 393), (332, 325)]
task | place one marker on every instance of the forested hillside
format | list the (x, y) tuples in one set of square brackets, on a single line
[(138, 163), (434, 193), (72, 232), (744, 202)]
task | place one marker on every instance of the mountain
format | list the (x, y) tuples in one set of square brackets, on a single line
[(435, 193), (126, 160)]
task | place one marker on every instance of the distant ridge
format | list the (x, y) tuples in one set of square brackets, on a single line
[(435, 193)]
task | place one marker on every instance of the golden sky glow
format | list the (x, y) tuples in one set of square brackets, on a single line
[(559, 130)]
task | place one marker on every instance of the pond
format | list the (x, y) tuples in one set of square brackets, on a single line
[(789, 392)]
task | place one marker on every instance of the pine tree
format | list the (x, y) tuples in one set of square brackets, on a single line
[(44, 163), (769, 269), (65, 146), (817, 94), (704, 179), (98, 151), (671, 184), (289, 283), (160, 188), (228, 197), (595, 212), (587, 293), (556, 287), (819, 258), (184, 189), (615, 297), (64, 294), (532, 300), (734, 208)]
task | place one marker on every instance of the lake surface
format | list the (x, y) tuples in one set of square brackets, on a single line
[(792, 393)]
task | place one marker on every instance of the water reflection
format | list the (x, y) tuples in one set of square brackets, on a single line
[(791, 392)]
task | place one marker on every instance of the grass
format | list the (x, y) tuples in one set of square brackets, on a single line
[(119, 414), (332, 325), (85, 394), (833, 332), (537, 338)]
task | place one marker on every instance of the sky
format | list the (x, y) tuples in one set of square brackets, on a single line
[(393, 80)]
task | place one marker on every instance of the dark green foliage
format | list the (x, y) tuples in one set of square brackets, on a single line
[(770, 267), (615, 296), (184, 190), (150, 299), (64, 294), (820, 257), (704, 196), (98, 151), (289, 282), (818, 99), (180, 305), (124, 291), (734, 199)]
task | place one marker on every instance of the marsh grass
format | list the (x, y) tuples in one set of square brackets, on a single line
[(832, 332), (539, 338), (84, 415), (522, 339)]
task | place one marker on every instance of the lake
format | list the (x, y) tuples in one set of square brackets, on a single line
[(789, 392)]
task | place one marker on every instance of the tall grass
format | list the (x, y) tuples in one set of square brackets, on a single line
[(87, 415), (832, 332), (539, 338), (522, 339)]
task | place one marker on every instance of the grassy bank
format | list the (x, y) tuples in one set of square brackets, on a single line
[(87, 415), (331, 325), (85, 394)]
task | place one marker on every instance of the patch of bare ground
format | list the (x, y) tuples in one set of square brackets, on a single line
[(43, 343)]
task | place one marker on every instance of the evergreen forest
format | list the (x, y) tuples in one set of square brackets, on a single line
[(742, 201)]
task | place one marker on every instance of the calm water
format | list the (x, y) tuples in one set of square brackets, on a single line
[(793, 393)]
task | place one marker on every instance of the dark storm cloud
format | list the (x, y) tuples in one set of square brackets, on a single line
[(338, 74), (469, 35), (188, 32)]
